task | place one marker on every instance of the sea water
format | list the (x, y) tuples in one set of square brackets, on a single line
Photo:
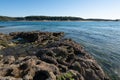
[(100, 39)]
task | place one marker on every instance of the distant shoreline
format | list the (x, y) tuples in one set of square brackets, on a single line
[(50, 18), (58, 21)]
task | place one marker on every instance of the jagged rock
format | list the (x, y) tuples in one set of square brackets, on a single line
[(36, 36), (46, 56), (28, 68)]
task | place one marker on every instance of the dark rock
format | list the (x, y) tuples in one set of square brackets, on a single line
[(41, 75), (46, 56), (36, 36)]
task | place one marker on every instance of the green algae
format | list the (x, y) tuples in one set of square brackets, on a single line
[(3, 43), (66, 76)]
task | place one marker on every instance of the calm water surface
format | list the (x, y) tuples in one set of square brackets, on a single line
[(100, 39)]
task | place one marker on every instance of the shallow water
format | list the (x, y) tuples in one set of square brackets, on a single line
[(100, 39)]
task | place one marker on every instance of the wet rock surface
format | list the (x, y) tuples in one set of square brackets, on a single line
[(45, 56)]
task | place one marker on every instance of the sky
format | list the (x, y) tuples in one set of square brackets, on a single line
[(106, 9)]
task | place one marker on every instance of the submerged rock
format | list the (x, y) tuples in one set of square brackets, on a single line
[(46, 56)]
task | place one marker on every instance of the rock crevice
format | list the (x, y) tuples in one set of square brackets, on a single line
[(45, 56)]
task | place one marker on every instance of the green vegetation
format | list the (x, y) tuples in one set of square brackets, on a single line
[(66, 76), (52, 18), (39, 18), (49, 18), (5, 18), (3, 43)]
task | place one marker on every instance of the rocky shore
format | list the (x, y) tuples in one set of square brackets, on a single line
[(45, 56)]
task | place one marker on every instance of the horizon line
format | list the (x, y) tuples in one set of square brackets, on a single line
[(61, 16)]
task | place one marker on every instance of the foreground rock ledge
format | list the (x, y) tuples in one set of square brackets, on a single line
[(45, 56)]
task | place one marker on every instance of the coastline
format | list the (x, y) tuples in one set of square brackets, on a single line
[(58, 21), (51, 18), (51, 50)]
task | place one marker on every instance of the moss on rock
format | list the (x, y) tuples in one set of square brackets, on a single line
[(66, 76)]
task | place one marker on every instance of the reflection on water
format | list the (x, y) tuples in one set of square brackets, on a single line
[(101, 39)]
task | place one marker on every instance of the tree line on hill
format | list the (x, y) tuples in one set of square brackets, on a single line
[(49, 18)]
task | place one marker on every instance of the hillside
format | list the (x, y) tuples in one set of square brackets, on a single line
[(49, 18)]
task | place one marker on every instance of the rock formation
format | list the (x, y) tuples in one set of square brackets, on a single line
[(45, 56)]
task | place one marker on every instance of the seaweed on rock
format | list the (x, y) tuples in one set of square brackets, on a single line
[(46, 56)]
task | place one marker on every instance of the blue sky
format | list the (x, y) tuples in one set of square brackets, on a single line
[(108, 9)]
